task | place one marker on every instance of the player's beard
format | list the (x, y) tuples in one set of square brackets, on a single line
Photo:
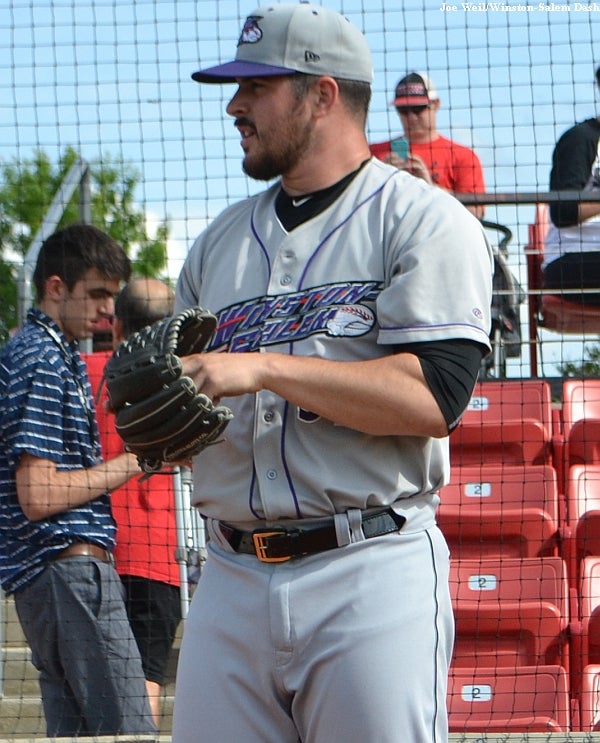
[(282, 151)]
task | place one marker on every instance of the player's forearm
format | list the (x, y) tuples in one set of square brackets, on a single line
[(44, 491), (387, 396)]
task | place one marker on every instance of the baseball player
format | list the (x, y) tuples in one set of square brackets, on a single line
[(353, 313)]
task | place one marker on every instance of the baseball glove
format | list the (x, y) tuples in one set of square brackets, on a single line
[(160, 414)]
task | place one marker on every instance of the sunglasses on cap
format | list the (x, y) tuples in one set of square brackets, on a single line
[(417, 110)]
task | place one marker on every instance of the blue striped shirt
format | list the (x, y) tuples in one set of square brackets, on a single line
[(46, 410)]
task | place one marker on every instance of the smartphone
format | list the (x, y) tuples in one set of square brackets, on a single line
[(400, 147)]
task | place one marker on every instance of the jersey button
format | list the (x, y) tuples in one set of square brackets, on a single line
[(271, 474), (268, 417), (286, 279)]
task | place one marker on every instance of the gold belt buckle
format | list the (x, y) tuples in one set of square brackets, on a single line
[(259, 537)]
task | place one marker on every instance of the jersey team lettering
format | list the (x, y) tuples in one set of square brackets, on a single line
[(342, 309)]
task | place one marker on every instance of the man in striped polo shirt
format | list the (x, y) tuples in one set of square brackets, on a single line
[(56, 529)]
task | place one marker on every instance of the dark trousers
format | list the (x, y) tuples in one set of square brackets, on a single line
[(91, 679), (572, 273)]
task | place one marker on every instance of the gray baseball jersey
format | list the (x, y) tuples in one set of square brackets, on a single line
[(353, 643), (392, 261)]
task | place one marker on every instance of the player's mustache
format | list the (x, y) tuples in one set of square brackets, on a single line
[(244, 122)]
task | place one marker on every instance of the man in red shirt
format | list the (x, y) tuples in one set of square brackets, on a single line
[(432, 157), (143, 510)]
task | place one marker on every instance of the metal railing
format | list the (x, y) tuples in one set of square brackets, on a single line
[(78, 176)]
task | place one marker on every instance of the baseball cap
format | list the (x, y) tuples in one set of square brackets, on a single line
[(415, 89), (285, 38)]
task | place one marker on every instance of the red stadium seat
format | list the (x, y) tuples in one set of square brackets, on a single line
[(589, 611), (563, 316), (589, 699), (581, 420), (493, 510), (583, 515), (510, 612), (532, 699), (507, 421)]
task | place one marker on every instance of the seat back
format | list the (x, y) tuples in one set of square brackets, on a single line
[(589, 609), (506, 421), (589, 700), (585, 651), (583, 512), (495, 510), (581, 420), (532, 699), (562, 316), (510, 612)]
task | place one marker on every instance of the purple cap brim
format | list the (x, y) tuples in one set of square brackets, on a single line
[(230, 71)]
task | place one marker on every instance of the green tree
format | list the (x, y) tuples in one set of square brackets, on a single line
[(588, 367), (27, 189)]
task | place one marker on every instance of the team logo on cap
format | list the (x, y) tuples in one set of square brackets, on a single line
[(251, 33)]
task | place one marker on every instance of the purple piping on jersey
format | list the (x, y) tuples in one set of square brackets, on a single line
[(252, 491), (439, 325), (259, 241), (339, 226), (288, 476)]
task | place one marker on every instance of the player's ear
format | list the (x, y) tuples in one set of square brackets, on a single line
[(324, 94)]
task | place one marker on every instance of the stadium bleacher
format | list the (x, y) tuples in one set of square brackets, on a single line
[(521, 514)]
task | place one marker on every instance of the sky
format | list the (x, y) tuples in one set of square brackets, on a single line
[(112, 79)]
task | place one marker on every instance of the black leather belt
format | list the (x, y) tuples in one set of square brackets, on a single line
[(278, 544)]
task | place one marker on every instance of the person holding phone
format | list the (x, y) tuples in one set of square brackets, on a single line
[(422, 150)]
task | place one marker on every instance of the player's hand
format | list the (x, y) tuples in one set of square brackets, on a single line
[(220, 375)]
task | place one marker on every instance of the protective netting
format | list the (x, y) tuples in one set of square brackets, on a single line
[(108, 82)]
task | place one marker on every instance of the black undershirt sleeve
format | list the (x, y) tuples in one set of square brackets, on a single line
[(450, 369)]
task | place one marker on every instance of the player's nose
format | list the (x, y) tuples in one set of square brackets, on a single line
[(237, 104)]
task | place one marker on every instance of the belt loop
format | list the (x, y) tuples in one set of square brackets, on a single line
[(342, 529), (215, 531), (355, 523)]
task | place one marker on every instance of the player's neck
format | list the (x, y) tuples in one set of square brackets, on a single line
[(328, 162), (295, 210)]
